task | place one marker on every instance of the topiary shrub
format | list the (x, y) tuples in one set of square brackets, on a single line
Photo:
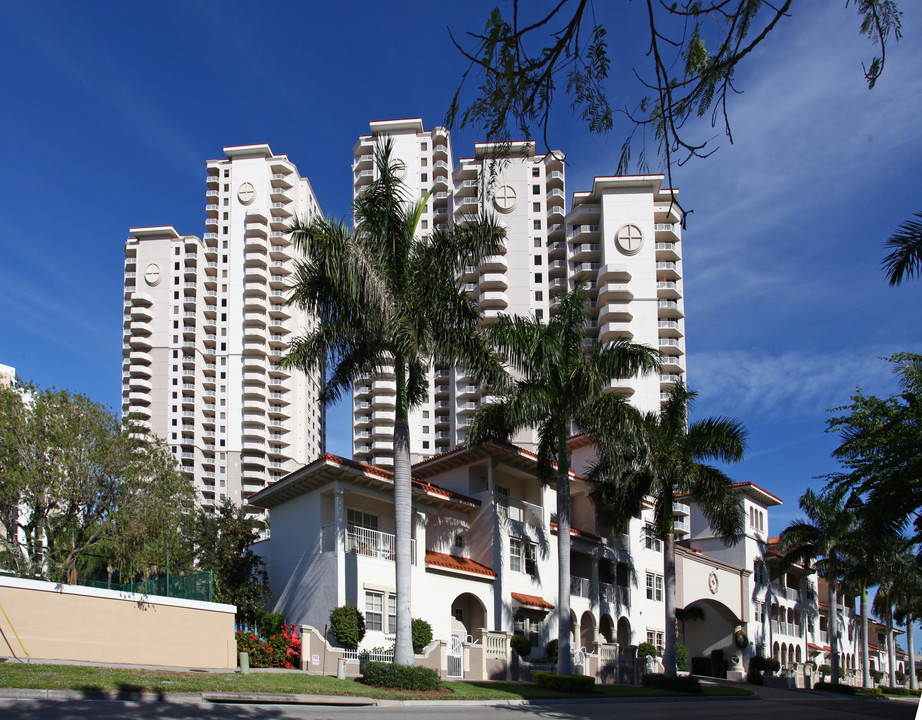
[(755, 677), (676, 684), (762, 664), (400, 677), (347, 625), (552, 651), (835, 688), (521, 645), (681, 657), (877, 675), (825, 670), (422, 634), (564, 683), (646, 649)]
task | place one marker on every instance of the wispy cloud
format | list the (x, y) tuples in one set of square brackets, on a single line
[(788, 386)]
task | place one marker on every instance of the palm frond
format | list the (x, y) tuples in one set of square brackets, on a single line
[(905, 257)]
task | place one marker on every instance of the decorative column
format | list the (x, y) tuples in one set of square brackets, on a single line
[(499, 550), (339, 513)]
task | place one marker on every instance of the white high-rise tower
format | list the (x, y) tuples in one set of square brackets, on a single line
[(206, 321)]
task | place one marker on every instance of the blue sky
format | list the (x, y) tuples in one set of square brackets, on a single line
[(110, 112)]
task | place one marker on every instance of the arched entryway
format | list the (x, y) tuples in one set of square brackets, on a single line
[(607, 628), (624, 632), (587, 630), (468, 615)]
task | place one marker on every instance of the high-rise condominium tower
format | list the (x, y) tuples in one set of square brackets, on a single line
[(622, 237), (205, 323)]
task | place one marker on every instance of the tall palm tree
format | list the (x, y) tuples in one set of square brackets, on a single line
[(898, 592), (561, 383), (675, 466), (860, 573), (905, 246), (385, 298), (823, 540)]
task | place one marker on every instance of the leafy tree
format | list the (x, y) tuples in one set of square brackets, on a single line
[(905, 246), (75, 481), (386, 298), (673, 466), (222, 543), (560, 383), (881, 449), (694, 48), (823, 540)]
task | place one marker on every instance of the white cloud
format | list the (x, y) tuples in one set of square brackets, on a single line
[(787, 386)]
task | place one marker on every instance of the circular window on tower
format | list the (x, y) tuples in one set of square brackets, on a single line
[(504, 199), (246, 193), (629, 239), (152, 274)]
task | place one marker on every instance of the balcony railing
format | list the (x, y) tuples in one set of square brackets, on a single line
[(615, 594), (785, 592), (580, 586), (372, 543), (519, 510)]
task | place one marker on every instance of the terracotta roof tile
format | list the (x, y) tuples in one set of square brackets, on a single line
[(532, 601), (453, 562), (577, 531)]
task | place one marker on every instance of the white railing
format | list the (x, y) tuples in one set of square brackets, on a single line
[(372, 543), (785, 592), (519, 510), (681, 523), (495, 645), (580, 587), (363, 655)]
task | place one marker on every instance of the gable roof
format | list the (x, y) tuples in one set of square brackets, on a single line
[(329, 468)]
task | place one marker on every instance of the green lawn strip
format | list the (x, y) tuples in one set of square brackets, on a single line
[(85, 678)]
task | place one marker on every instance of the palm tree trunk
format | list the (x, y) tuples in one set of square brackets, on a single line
[(833, 630), (891, 654), (403, 516), (913, 681), (669, 656), (564, 661), (865, 661)]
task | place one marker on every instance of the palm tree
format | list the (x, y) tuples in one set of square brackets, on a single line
[(385, 298), (898, 593), (860, 573), (824, 540), (905, 258), (561, 382), (675, 466)]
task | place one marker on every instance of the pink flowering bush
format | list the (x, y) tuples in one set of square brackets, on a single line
[(280, 651)]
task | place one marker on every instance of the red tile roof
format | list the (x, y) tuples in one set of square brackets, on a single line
[(453, 562), (818, 648), (532, 601), (577, 531)]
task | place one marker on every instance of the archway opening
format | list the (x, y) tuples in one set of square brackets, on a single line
[(624, 632), (607, 628), (587, 630), (468, 615)]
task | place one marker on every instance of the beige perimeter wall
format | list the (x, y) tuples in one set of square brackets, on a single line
[(69, 622)]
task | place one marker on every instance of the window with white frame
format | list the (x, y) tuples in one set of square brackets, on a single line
[(522, 556), (654, 587), (361, 519), (374, 610), (392, 613), (651, 542), (528, 624), (657, 638)]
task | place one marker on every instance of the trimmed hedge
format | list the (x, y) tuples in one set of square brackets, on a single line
[(521, 645), (347, 624), (422, 634), (834, 688), (676, 684), (400, 677), (646, 649), (900, 691), (564, 683)]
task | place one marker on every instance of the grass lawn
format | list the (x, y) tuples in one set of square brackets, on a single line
[(74, 677)]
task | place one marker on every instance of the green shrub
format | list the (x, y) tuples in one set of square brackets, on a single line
[(552, 651), (422, 634), (646, 649), (400, 677), (901, 677), (825, 670), (564, 683), (835, 688), (676, 684), (869, 692), (521, 645), (681, 657), (877, 675), (755, 677), (270, 623), (761, 664), (282, 650), (894, 691), (347, 625)]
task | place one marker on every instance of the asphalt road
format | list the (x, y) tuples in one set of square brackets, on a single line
[(776, 708)]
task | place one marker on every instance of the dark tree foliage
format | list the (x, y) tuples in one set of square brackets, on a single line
[(524, 57), (881, 449), (222, 543), (905, 257)]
